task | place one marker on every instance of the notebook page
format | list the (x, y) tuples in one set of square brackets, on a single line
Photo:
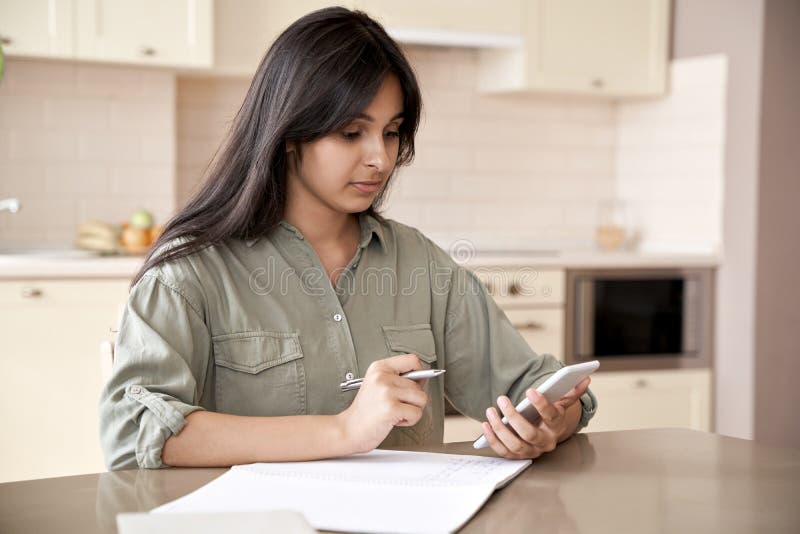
[(380, 491)]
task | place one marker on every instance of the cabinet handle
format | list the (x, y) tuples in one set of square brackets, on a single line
[(147, 51), (31, 292), (530, 325), (5, 41), (598, 83)]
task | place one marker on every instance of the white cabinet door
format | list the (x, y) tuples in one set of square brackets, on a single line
[(460, 428), (612, 48), (50, 363), (651, 399), (499, 16), (147, 32), (543, 329), (37, 28), (245, 29), (513, 287)]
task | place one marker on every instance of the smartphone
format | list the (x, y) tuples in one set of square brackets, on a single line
[(551, 389)]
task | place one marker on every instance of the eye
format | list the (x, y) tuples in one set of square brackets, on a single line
[(392, 134), (351, 135)]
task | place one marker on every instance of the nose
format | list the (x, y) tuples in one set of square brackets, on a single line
[(377, 156)]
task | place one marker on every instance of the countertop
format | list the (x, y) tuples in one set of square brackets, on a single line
[(20, 266), (657, 480), (26, 267), (586, 259)]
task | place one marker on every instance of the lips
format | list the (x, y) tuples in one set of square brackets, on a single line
[(366, 187)]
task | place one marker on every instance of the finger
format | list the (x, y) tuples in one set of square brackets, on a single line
[(572, 396), (414, 397), (548, 412), (524, 429), (496, 445), (511, 441), (405, 383), (402, 364), (546, 440), (407, 415)]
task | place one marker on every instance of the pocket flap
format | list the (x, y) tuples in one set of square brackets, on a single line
[(414, 339), (253, 352)]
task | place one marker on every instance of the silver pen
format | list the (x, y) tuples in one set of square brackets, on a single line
[(355, 383)]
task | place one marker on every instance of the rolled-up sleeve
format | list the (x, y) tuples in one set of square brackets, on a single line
[(160, 364), (486, 356)]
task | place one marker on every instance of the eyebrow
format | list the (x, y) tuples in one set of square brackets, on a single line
[(370, 118)]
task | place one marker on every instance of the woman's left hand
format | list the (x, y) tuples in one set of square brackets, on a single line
[(558, 422)]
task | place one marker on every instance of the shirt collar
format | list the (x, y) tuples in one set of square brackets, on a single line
[(370, 226)]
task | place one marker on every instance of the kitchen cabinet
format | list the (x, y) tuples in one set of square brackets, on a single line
[(543, 329), (500, 16), (614, 48), (649, 399), (51, 331), (630, 400), (146, 32), (245, 29), (533, 300), (37, 28)]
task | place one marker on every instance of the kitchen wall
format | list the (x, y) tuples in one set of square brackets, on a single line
[(777, 342), (736, 30), (82, 141), (669, 164), (504, 172)]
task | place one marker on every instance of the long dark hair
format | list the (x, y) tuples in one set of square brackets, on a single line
[(317, 76)]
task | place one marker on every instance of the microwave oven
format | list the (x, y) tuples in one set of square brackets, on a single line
[(632, 319)]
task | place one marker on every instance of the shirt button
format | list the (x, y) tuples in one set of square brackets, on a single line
[(337, 317), (349, 376)]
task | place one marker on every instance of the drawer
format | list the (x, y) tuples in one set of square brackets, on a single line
[(630, 400), (523, 286), (543, 329), (43, 292)]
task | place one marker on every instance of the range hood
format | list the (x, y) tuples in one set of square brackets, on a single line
[(429, 37)]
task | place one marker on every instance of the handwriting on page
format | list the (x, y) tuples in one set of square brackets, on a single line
[(389, 467)]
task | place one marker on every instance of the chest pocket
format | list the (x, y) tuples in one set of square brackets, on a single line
[(259, 373), (413, 339)]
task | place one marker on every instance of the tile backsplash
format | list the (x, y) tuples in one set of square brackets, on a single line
[(670, 156), (504, 171), (80, 142)]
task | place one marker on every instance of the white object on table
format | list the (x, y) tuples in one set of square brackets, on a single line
[(203, 523), (386, 491)]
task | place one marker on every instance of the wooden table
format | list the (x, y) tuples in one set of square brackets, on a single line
[(661, 480)]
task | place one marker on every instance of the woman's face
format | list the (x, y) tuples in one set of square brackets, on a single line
[(345, 170)]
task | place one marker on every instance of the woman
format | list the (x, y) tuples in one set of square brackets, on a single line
[(279, 280)]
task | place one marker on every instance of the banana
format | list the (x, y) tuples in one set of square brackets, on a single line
[(99, 229), (98, 243)]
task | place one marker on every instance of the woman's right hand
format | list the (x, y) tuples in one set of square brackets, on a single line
[(384, 400)]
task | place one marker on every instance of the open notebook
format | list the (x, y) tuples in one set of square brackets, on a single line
[(380, 491)]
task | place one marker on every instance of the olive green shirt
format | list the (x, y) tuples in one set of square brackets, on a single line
[(256, 328)]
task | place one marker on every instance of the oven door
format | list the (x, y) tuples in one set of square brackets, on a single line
[(642, 319)]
